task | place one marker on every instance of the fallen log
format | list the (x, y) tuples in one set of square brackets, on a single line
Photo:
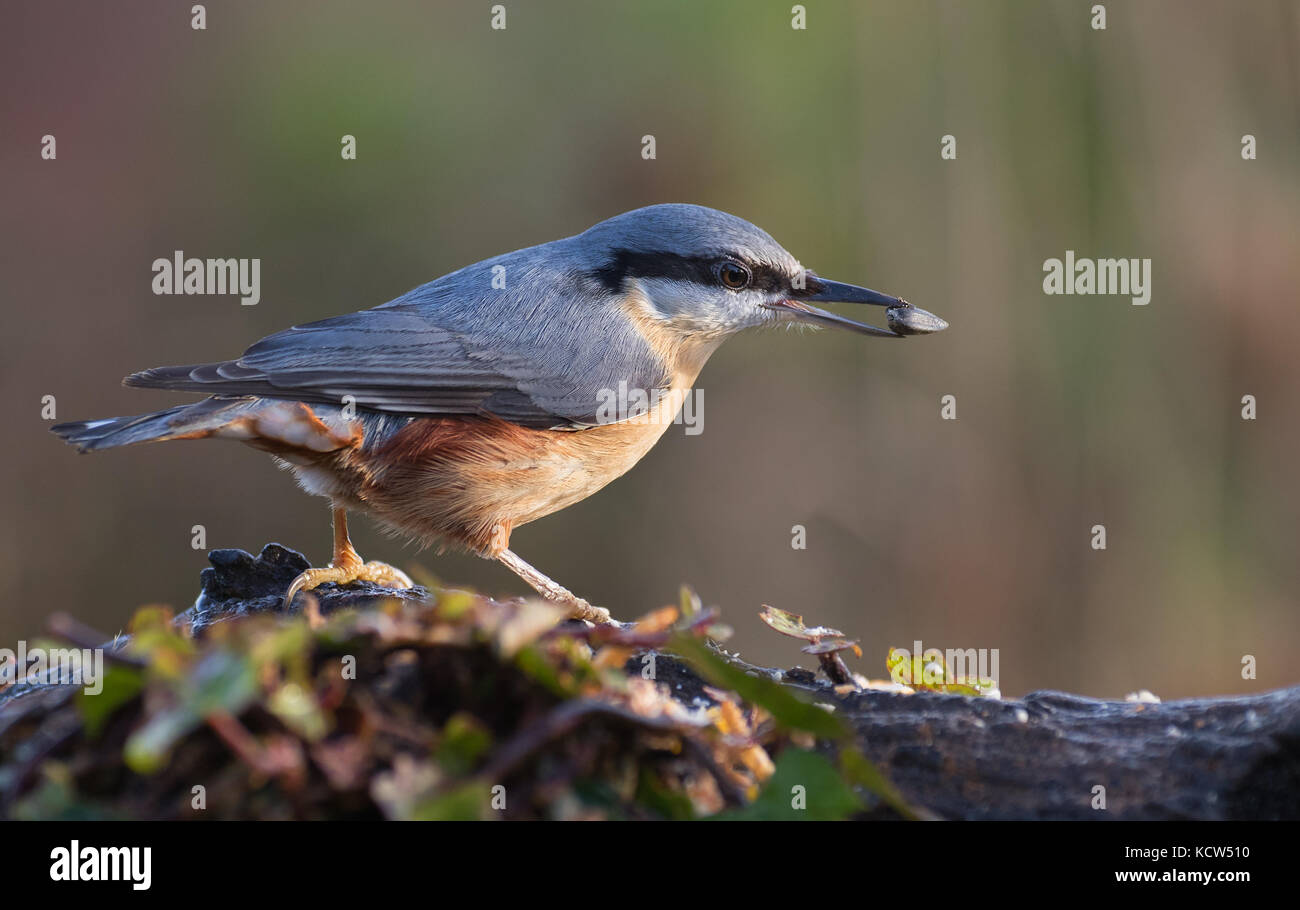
[(1049, 755)]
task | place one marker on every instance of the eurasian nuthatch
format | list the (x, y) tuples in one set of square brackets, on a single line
[(471, 405)]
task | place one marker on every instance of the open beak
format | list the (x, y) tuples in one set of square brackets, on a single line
[(903, 318)]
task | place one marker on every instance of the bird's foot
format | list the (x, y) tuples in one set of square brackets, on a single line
[(554, 591), (346, 572), (579, 608)]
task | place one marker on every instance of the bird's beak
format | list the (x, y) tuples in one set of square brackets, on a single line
[(904, 319)]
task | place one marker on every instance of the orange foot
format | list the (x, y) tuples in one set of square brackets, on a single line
[(381, 573), (347, 567)]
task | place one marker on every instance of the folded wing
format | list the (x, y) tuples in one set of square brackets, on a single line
[(538, 360)]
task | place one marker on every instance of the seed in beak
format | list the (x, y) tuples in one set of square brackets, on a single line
[(912, 320)]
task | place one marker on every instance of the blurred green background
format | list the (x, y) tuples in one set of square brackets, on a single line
[(1072, 411)]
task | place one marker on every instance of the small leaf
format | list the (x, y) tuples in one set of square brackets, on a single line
[(121, 685), (454, 603), (831, 646), (298, 710), (467, 802), (464, 741), (793, 626), (532, 662), (533, 619), (786, 709), (689, 602), (222, 681), (657, 620), (929, 672), (147, 748)]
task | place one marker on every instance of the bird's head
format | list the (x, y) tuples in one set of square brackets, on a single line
[(699, 271)]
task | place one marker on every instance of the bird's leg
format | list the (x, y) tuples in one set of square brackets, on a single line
[(346, 566), (552, 590)]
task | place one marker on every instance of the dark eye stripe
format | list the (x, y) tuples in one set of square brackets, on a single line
[(625, 264)]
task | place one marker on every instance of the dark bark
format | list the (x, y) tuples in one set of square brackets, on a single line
[(1041, 756)]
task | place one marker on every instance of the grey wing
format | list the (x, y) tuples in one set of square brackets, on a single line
[(402, 359)]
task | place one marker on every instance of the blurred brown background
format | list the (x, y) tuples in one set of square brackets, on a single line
[(1072, 411)]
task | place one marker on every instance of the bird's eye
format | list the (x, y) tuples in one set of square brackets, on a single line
[(733, 275)]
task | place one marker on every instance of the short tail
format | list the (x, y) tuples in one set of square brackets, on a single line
[(187, 421), (273, 425)]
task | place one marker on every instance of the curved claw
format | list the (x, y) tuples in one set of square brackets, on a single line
[(380, 573)]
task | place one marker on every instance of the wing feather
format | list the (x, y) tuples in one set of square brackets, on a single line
[(539, 355)]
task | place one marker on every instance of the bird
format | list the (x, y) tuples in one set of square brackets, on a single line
[(480, 401)]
